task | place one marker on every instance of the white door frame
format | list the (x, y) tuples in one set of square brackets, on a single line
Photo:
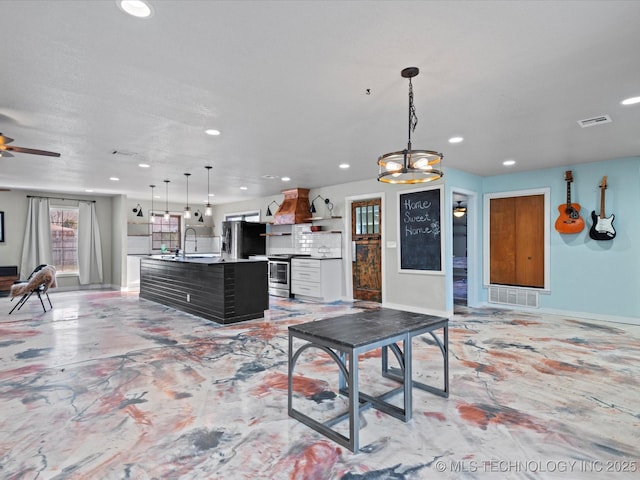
[(348, 242)]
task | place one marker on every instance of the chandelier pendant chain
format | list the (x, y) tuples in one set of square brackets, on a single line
[(413, 118)]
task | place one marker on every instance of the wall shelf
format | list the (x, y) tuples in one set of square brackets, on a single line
[(317, 219)]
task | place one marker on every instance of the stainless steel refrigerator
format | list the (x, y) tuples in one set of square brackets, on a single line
[(241, 239)]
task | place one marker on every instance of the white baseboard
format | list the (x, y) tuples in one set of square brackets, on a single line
[(568, 313), (413, 308)]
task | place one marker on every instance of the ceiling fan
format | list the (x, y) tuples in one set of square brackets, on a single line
[(6, 149)]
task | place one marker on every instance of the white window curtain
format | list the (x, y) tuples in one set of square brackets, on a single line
[(89, 247), (36, 249)]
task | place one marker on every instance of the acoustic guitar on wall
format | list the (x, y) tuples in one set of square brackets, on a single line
[(602, 228), (569, 220)]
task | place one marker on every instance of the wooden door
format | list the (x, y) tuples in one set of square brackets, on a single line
[(366, 218), (516, 226)]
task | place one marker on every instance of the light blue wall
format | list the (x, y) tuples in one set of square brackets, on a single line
[(601, 277)]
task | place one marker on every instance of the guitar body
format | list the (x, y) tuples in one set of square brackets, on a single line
[(569, 221), (602, 228)]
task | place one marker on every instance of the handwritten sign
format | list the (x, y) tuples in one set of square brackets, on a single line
[(420, 232)]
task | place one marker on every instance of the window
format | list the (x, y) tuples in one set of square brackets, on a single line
[(165, 232), (366, 218), (64, 238)]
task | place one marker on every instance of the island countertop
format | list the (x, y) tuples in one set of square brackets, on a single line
[(206, 259), (225, 291)]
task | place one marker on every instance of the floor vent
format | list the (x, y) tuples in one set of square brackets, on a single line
[(590, 122), (513, 296)]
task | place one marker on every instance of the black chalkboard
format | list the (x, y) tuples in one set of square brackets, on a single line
[(420, 232)]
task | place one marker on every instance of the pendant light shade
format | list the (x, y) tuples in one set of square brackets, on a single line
[(459, 211), (166, 212), (408, 165), (187, 210), (208, 210), (152, 217)]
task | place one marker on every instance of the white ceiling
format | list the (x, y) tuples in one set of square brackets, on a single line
[(285, 82)]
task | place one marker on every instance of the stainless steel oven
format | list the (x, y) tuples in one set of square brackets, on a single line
[(280, 275)]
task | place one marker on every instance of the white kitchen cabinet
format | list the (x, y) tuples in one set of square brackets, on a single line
[(319, 279)]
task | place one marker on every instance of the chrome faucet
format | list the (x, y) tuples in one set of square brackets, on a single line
[(184, 242)]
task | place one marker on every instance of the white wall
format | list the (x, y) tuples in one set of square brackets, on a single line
[(417, 292), (14, 204)]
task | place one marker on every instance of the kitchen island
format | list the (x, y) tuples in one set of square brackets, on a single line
[(224, 291)]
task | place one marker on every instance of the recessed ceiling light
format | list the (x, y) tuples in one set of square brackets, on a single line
[(344, 165), (136, 8), (88, 190), (212, 194), (630, 101), (144, 165), (212, 132), (243, 188), (114, 179), (285, 179), (508, 163), (455, 139)]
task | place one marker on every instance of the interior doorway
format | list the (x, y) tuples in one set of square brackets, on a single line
[(366, 237), (460, 206)]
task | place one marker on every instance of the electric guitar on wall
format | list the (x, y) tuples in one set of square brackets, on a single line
[(569, 220), (602, 228)]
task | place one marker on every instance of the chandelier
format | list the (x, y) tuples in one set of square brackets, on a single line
[(408, 165)]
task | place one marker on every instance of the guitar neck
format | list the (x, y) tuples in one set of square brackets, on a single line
[(568, 194), (603, 187)]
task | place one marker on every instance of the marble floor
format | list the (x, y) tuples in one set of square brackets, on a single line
[(108, 386)]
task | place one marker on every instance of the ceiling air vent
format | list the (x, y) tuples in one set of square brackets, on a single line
[(124, 153), (590, 122)]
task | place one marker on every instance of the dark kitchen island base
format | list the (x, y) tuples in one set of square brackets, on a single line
[(224, 292)]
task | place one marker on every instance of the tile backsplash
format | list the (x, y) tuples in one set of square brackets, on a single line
[(303, 241)]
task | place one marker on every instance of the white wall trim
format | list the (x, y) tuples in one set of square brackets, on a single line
[(414, 309), (473, 252), (348, 257), (568, 313), (546, 191)]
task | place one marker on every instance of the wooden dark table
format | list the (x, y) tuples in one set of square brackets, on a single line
[(344, 338)]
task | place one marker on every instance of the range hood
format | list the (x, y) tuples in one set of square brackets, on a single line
[(294, 208)]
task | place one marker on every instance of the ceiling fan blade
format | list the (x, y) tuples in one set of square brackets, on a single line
[(32, 151), (4, 153), (4, 140)]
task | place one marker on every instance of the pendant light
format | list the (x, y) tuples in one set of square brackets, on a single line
[(152, 217), (187, 210), (166, 212), (208, 210), (408, 165)]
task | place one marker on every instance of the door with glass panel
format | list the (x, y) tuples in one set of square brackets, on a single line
[(366, 217)]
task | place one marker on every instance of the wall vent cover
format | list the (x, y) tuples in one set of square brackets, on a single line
[(590, 122), (513, 296)]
